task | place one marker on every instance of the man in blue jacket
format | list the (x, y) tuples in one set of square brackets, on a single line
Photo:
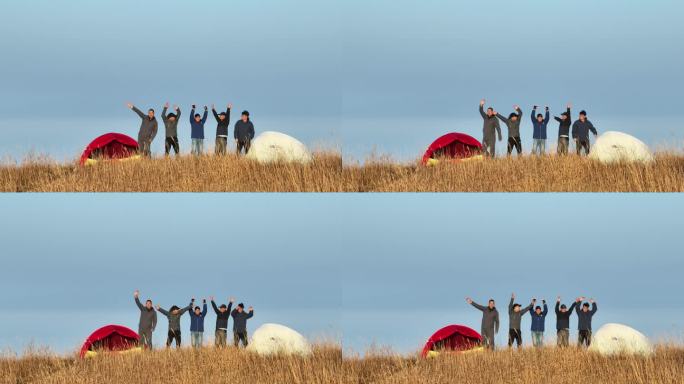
[(584, 317), (244, 133), (580, 132), (197, 130), (538, 320), (197, 325), (539, 134)]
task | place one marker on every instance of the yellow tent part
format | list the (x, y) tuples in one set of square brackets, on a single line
[(433, 162), (91, 354), (432, 354), (94, 161)]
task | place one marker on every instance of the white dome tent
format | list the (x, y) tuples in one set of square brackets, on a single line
[(272, 339), (271, 147), (613, 339), (614, 146)]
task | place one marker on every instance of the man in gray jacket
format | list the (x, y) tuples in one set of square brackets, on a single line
[(148, 320), (584, 317), (171, 125), (147, 132), (489, 130), (513, 124), (174, 315), (515, 315), (490, 321)]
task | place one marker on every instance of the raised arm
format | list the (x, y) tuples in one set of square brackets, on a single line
[(138, 303), (250, 313), (164, 116), (526, 309), (163, 311), (478, 306), (204, 117), (577, 306), (547, 117), (534, 112), (510, 304), (546, 310), (594, 308), (216, 116), (204, 309), (192, 115), (213, 305), (482, 112), (557, 308), (520, 112), (502, 118), (138, 112)]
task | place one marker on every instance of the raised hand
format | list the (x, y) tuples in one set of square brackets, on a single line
[(230, 105), (211, 298), (158, 307), (166, 105), (482, 102), (194, 106), (469, 300), (546, 107), (591, 300), (231, 299), (212, 106), (176, 107), (136, 293), (516, 107), (569, 105), (193, 299), (512, 295), (558, 299), (534, 299), (129, 105), (205, 108), (251, 309)]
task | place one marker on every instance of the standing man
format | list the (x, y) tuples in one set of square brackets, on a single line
[(240, 318), (148, 320), (171, 125), (222, 121), (564, 131), (222, 315), (538, 320), (539, 133), (147, 132), (513, 124), (584, 317), (563, 323), (490, 128), (515, 315), (197, 325), (580, 132), (174, 315), (490, 321), (197, 130), (244, 133)]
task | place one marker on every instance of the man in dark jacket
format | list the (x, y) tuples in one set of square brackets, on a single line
[(490, 322), (584, 317), (148, 320), (490, 128), (222, 122), (197, 325), (197, 130), (147, 132), (538, 320), (174, 315), (563, 323), (564, 131), (222, 315), (513, 124), (580, 132), (244, 133), (240, 318), (171, 125), (515, 314), (539, 133)]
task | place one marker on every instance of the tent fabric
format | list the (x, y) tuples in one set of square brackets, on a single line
[(458, 338), (110, 146), (111, 338), (453, 145), (612, 147), (271, 147), (614, 339), (272, 339)]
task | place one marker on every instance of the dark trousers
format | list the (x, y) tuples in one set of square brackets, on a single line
[(145, 338), (580, 144), (173, 335), (514, 142), (243, 144), (563, 144), (488, 338), (144, 148), (584, 338), (514, 335), (240, 336), (489, 148), (221, 144), (563, 337), (172, 142)]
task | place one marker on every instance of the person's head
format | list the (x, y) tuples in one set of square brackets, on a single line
[(513, 117), (564, 116), (583, 115), (240, 307), (198, 118), (222, 116), (245, 116), (563, 308), (175, 309), (516, 307), (148, 304), (150, 113), (490, 111), (223, 308), (538, 310), (172, 116), (540, 117), (491, 304), (585, 307), (197, 310)]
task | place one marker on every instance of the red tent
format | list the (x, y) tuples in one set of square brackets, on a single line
[(457, 338), (110, 338), (110, 146), (453, 145)]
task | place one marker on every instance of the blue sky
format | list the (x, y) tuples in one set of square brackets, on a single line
[(381, 75), (386, 269)]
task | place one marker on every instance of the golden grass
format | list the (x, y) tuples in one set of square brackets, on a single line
[(326, 365), (328, 174)]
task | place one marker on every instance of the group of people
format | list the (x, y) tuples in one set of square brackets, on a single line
[(148, 322), (490, 321), (492, 129), (243, 132)]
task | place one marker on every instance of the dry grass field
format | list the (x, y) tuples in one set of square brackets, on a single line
[(326, 365), (328, 174)]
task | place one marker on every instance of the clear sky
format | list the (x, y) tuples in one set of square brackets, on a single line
[(386, 269), (384, 75)]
